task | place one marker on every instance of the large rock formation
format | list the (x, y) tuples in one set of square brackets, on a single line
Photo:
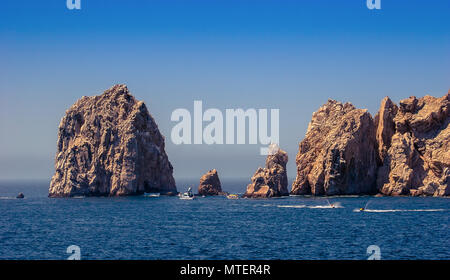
[(405, 150), (414, 146), (109, 145), (210, 184), (270, 181), (338, 155)]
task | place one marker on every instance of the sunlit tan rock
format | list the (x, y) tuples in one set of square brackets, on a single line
[(270, 181), (210, 184), (338, 154), (109, 145), (416, 160)]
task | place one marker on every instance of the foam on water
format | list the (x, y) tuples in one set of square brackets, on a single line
[(331, 206), (398, 210), (291, 206)]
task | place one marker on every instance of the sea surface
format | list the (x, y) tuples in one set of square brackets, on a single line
[(39, 227)]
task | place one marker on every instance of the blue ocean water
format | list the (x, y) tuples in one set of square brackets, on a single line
[(38, 227)]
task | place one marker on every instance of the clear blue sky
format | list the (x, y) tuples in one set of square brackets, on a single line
[(291, 55)]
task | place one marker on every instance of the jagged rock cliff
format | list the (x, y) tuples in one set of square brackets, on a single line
[(270, 181), (338, 154), (414, 146), (109, 145), (210, 184), (405, 150)]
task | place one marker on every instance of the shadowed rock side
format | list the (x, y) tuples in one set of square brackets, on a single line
[(210, 184), (270, 181), (338, 154), (109, 145), (414, 146)]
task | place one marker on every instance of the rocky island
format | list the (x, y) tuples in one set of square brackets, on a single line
[(110, 145), (414, 146), (338, 154), (403, 150), (270, 181), (210, 184)]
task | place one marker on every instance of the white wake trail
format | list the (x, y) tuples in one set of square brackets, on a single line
[(331, 206), (398, 210)]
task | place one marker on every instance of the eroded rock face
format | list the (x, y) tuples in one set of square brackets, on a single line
[(109, 145), (385, 126), (338, 154), (270, 181), (416, 159), (210, 184)]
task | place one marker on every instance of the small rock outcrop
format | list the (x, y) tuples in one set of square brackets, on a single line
[(270, 181), (414, 146), (338, 155), (210, 184), (109, 145)]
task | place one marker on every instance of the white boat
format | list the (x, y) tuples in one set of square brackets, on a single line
[(152, 194), (187, 195)]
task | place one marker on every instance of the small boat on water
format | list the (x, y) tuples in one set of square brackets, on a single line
[(152, 194), (187, 195), (233, 196)]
